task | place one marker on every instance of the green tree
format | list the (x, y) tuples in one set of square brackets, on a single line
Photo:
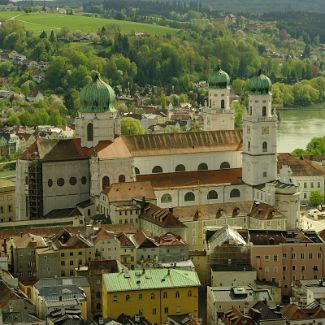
[(43, 34), (52, 38), (316, 198), (14, 120), (131, 126)]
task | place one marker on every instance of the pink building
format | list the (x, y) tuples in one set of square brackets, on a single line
[(286, 256)]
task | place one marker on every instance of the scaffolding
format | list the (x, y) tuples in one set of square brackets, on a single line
[(35, 190)]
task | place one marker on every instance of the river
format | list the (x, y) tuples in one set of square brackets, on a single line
[(298, 126)]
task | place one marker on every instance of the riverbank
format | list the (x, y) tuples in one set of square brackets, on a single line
[(309, 107)]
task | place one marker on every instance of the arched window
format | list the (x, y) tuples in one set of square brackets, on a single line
[(264, 146), (222, 103), (249, 146), (180, 168), (105, 182), (137, 171), (224, 165), (90, 132), (157, 169), (235, 193), (166, 198), (98, 306), (177, 294), (212, 195), (121, 179), (264, 111), (202, 166), (189, 293), (189, 196)]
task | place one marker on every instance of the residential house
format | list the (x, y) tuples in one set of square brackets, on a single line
[(222, 299), (21, 251), (152, 293), (295, 315), (107, 246), (7, 201), (19, 318), (53, 294), (127, 251), (157, 221), (305, 292)]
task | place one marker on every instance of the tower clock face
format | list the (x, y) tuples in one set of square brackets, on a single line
[(265, 130)]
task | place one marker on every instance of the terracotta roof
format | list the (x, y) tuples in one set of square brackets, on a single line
[(318, 158), (28, 240), (235, 317), (161, 217), (293, 312), (7, 294), (58, 150), (169, 239), (264, 211), (125, 240), (193, 178), (128, 191), (103, 234), (141, 240), (66, 240), (103, 266), (174, 143), (299, 167), (51, 231)]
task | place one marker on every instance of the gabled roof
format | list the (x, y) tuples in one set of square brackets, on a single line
[(66, 240), (169, 239), (119, 192), (150, 279), (294, 312), (264, 211), (193, 178), (161, 217), (223, 235), (103, 234), (235, 317), (125, 240), (299, 167), (28, 240), (262, 312), (174, 143), (141, 240), (20, 318)]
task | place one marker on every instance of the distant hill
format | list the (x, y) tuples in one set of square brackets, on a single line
[(262, 6)]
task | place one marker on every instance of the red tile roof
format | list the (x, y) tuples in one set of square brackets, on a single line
[(193, 178), (264, 211), (169, 239), (293, 312)]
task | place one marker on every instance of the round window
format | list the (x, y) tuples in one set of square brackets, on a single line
[(50, 183), (60, 181), (83, 179), (73, 181)]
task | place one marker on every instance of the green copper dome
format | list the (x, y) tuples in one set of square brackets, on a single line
[(97, 96), (260, 84), (219, 79)]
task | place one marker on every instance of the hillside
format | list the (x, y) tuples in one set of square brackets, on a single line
[(38, 22)]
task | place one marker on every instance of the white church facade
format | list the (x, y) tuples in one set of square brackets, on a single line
[(185, 169)]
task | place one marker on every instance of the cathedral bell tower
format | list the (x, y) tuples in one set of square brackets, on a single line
[(97, 117), (217, 113), (259, 134)]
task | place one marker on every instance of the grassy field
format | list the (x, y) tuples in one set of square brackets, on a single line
[(38, 22), (8, 173)]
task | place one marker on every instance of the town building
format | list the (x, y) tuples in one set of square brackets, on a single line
[(222, 299), (299, 316), (306, 292), (152, 293), (7, 201)]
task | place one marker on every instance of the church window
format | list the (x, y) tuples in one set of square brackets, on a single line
[(250, 110), (189, 196), (264, 111), (180, 168), (264, 146), (222, 103), (166, 198), (224, 165), (83, 180), (105, 182), (264, 174), (60, 181), (137, 171), (157, 169), (50, 183), (249, 146), (90, 132), (235, 193), (212, 195), (73, 180), (121, 179), (202, 166)]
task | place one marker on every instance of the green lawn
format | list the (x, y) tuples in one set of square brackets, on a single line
[(38, 22), (8, 173)]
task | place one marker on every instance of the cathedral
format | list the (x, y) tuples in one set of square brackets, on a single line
[(219, 165)]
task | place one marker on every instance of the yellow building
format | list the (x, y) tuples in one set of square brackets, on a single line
[(152, 293), (7, 201)]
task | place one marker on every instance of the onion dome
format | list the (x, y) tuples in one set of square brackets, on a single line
[(97, 96), (260, 84), (219, 79)]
